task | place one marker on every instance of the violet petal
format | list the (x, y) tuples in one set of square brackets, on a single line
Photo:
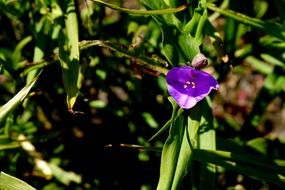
[(188, 86)]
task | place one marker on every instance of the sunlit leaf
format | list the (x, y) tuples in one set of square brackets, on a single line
[(250, 165), (207, 140), (8, 182), (170, 154), (69, 56), (150, 120), (65, 177), (16, 100), (176, 152)]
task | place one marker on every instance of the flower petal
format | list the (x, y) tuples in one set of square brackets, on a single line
[(188, 86), (183, 100)]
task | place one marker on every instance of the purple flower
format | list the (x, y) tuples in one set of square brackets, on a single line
[(188, 85)]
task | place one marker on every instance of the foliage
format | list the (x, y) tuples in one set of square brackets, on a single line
[(83, 89)]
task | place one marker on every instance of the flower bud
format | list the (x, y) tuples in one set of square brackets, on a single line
[(199, 61)]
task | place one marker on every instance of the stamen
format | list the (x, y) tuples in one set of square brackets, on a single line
[(193, 85)]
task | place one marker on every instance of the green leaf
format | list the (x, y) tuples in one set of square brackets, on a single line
[(144, 12), (176, 112), (65, 177), (8, 182), (179, 44), (272, 87), (275, 81), (189, 142), (197, 23), (170, 154), (176, 152), (259, 65), (252, 165), (69, 56), (17, 54), (271, 59), (259, 144), (271, 42), (150, 120), (139, 59), (43, 30), (178, 47), (97, 104), (272, 28), (207, 140), (9, 145), (168, 20), (16, 100)]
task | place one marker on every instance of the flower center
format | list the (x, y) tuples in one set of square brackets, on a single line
[(188, 83)]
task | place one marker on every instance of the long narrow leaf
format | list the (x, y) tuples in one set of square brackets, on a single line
[(189, 142), (170, 154), (18, 98), (69, 56), (42, 39), (144, 12), (218, 158), (175, 114), (139, 59), (8, 182), (17, 54), (207, 140), (274, 29)]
